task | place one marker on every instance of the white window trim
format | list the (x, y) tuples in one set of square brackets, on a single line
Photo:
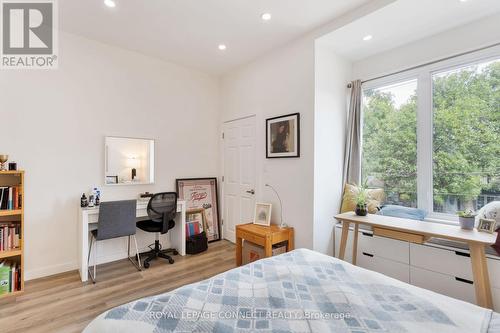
[(423, 75)]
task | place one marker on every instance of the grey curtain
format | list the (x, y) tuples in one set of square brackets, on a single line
[(352, 153)]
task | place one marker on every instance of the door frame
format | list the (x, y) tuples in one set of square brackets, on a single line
[(223, 171)]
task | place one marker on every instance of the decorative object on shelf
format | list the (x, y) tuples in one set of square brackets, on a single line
[(283, 136), (282, 224), (134, 163), (466, 219), (262, 214), (111, 180), (3, 159), (12, 166), (375, 198), (202, 193), (146, 195), (487, 225), (84, 202)]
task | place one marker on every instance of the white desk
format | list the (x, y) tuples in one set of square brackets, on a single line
[(87, 216)]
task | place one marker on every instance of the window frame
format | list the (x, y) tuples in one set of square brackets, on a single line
[(425, 116)]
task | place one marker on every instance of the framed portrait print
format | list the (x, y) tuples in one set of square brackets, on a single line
[(201, 193), (262, 214), (283, 136), (486, 225)]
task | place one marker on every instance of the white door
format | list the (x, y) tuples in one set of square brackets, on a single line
[(239, 174)]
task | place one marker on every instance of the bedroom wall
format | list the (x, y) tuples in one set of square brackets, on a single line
[(468, 37), (332, 72), (282, 82), (55, 128)]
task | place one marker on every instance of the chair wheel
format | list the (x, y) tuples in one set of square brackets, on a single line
[(146, 264), (175, 253), (170, 261)]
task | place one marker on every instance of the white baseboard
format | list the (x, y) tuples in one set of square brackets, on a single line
[(49, 270)]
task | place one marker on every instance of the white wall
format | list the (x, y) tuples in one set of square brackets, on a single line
[(278, 84), (465, 38), (54, 123), (332, 73), (283, 82)]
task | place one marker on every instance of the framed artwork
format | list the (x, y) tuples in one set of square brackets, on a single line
[(201, 193), (262, 214), (486, 225), (283, 136)]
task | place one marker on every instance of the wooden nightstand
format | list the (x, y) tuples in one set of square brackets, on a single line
[(263, 236)]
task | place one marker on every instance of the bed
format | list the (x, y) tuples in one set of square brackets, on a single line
[(299, 291)]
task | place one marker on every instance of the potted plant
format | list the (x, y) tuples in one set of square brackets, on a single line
[(466, 219), (361, 201)]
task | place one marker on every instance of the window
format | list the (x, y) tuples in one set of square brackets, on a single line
[(432, 140), (466, 141), (390, 141)]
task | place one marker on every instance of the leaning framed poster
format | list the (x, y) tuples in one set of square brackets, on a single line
[(202, 193)]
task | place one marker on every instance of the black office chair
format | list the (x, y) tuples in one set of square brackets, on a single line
[(162, 208)]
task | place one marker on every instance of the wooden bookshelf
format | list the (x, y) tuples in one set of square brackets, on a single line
[(14, 178)]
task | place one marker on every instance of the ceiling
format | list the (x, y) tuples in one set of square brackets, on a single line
[(188, 32), (406, 21)]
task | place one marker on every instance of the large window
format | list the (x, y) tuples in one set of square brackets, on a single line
[(390, 141), (432, 140), (466, 142)]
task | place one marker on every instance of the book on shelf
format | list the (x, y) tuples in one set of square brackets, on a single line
[(10, 236), (10, 277), (10, 197)]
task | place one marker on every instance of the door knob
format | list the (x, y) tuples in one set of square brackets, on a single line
[(251, 192)]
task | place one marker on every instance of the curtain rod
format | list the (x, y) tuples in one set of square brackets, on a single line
[(349, 85)]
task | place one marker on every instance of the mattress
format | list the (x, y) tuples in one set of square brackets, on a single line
[(299, 291)]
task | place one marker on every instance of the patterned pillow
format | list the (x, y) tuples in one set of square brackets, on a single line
[(375, 199)]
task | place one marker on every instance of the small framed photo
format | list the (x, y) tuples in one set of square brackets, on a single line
[(486, 225), (283, 136), (262, 214), (111, 179)]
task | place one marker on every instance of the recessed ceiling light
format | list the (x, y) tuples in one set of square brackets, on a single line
[(266, 16), (367, 38), (463, 0), (222, 47), (110, 3)]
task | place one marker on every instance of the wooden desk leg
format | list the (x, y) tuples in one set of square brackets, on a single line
[(291, 244), (268, 249), (343, 239), (355, 244), (480, 274), (239, 249)]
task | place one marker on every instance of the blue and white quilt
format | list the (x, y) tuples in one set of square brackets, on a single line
[(299, 291)]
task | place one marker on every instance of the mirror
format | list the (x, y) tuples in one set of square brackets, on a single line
[(129, 161)]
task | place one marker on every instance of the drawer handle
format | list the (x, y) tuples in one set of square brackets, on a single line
[(463, 254), (464, 280), (366, 234), (367, 254)]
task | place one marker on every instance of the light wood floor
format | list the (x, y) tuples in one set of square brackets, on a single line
[(62, 303)]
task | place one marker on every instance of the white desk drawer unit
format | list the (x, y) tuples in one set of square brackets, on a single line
[(385, 266), (444, 284), (455, 263), (384, 247), (445, 270)]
